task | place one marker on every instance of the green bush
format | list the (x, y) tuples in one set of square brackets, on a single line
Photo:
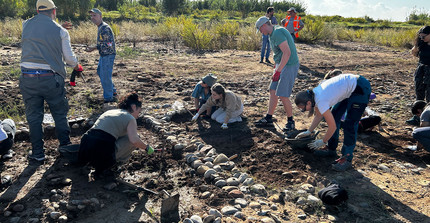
[(248, 39), (315, 31), (10, 30), (226, 34), (196, 37)]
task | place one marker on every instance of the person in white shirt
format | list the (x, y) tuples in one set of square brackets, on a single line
[(344, 93), (7, 136)]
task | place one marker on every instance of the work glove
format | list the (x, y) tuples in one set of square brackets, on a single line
[(195, 117), (75, 73), (276, 76), (316, 144), (224, 126), (149, 150), (303, 134)]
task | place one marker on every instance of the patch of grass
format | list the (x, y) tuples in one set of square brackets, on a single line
[(128, 52), (13, 110)]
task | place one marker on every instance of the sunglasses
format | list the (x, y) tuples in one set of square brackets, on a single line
[(423, 36)]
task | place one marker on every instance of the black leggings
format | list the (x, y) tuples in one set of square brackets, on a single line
[(98, 149)]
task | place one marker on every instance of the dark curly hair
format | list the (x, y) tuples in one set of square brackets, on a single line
[(128, 100), (418, 105), (418, 42)]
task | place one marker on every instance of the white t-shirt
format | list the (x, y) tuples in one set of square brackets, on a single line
[(3, 134), (334, 90)]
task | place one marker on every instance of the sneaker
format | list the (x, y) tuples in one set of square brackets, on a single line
[(324, 152), (341, 164), (261, 61), (268, 61), (36, 158), (415, 121), (8, 155), (290, 126), (264, 122), (114, 99)]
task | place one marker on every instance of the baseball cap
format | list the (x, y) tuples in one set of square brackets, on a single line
[(96, 10), (260, 22), (292, 9), (43, 5)]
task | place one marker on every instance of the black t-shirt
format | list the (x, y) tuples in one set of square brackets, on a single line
[(424, 54)]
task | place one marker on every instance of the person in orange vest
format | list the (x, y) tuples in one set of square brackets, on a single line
[(293, 23)]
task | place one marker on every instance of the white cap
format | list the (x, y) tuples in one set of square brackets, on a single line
[(260, 22), (43, 5)]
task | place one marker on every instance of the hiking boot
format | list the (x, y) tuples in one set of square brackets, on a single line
[(324, 152), (290, 126), (8, 155), (268, 61), (264, 122), (415, 121), (261, 61), (341, 164)]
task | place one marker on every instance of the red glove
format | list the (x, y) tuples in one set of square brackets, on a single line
[(80, 68), (276, 76)]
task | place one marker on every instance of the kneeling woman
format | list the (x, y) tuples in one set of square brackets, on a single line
[(230, 106), (114, 136), (344, 93)]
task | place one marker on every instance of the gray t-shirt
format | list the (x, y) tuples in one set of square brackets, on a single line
[(114, 122), (425, 116)]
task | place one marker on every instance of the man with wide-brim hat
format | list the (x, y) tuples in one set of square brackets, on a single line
[(285, 73), (202, 91)]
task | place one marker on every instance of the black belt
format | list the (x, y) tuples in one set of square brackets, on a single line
[(38, 75)]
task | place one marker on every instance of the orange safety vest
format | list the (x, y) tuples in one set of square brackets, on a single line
[(296, 23)]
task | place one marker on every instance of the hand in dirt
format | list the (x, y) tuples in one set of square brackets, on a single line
[(276, 76), (303, 134), (316, 144), (67, 25), (195, 117), (149, 150), (224, 126)]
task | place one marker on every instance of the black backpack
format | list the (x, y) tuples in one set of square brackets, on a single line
[(333, 194)]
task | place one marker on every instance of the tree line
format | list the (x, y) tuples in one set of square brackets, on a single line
[(77, 9)]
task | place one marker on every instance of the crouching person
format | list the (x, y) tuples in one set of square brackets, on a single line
[(422, 133), (112, 138), (230, 106), (7, 136)]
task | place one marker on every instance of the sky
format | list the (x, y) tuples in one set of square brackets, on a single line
[(393, 10)]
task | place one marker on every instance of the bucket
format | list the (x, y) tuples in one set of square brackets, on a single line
[(301, 143)]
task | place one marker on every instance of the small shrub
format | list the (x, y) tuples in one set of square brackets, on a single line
[(128, 52), (196, 37), (315, 31), (84, 33), (226, 34), (248, 39)]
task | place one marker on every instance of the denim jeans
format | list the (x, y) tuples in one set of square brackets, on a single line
[(422, 135), (36, 90), (104, 70), (294, 37), (354, 107), (265, 44)]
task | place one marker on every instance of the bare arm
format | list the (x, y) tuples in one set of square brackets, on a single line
[(196, 103), (133, 137), (286, 53), (415, 51)]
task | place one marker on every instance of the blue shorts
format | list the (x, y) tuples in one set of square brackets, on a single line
[(284, 87)]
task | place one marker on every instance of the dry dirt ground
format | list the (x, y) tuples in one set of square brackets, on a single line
[(162, 75)]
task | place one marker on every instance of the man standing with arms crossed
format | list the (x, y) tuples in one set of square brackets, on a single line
[(106, 47), (266, 44), (286, 69), (45, 48)]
